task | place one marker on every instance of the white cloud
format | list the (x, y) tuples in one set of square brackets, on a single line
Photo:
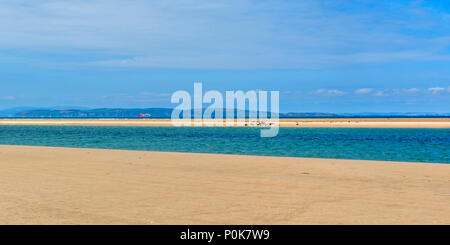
[(330, 92), (140, 97), (223, 34), (363, 90), (383, 92), (412, 90), (435, 90)]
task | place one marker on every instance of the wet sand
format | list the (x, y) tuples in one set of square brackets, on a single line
[(323, 122), (45, 185)]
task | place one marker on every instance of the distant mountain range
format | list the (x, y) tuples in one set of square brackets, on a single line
[(82, 112)]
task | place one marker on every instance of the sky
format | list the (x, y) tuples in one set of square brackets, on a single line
[(322, 55)]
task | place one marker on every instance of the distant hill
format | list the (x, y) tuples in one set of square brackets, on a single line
[(97, 113), (79, 112), (12, 112)]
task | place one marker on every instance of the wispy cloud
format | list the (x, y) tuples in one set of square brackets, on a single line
[(232, 34), (330, 92), (379, 93), (139, 97), (412, 90), (364, 90), (435, 90)]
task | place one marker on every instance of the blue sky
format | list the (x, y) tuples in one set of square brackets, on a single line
[(323, 56)]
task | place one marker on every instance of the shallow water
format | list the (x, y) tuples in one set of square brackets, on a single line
[(389, 144)]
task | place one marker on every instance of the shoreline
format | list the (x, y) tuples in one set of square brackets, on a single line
[(52, 185), (224, 154), (319, 122)]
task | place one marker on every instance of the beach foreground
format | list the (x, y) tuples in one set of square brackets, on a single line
[(292, 122), (45, 185)]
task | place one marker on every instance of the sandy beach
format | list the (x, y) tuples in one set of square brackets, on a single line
[(45, 185), (322, 122)]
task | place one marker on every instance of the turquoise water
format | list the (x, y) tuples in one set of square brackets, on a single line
[(390, 144)]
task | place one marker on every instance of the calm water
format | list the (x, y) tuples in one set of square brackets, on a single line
[(418, 145)]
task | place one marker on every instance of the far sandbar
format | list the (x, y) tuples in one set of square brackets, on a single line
[(303, 122)]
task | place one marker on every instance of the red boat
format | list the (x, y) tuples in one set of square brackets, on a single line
[(144, 115)]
